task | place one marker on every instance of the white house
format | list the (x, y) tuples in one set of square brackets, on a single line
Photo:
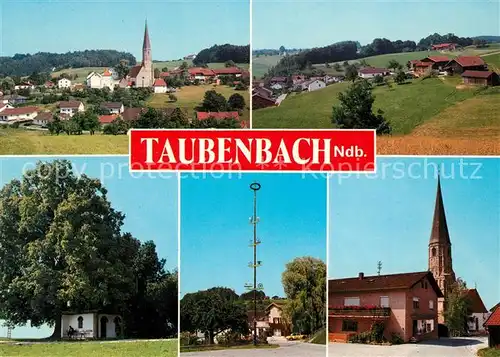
[(43, 119), (64, 83), (370, 72), (160, 86), (12, 115), (24, 85), (113, 107), (479, 312), (277, 86), (71, 107), (271, 322), (313, 85), (104, 80), (91, 324)]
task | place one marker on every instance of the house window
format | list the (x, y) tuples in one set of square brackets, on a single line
[(80, 322), (416, 303), (276, 320), (352, 301), (349, 325), (384, 301), (431, 304)]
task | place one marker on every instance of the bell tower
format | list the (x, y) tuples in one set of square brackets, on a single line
[(147, 58), (440, 261)]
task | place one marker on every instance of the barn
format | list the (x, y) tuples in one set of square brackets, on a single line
[(480, 78), (466, 63), (493, 327)]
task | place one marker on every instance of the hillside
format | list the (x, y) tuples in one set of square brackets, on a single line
[(223, 53), (436, 108), (26, 64)]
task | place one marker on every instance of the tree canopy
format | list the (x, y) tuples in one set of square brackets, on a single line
[(62, 248), (304, 282), (222, 54)]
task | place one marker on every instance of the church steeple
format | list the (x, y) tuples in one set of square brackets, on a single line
[(439, 233), (146, 48)]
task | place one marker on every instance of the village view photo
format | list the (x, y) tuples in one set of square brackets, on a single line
[(134, 68), (425, 76)]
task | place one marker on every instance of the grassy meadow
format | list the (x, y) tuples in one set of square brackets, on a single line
[(164, 348), (29, 142), (190, 97), (435, 115)]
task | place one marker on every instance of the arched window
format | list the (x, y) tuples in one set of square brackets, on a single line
[(433, 252), (80, 322)]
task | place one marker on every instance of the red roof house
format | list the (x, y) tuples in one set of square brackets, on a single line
[(464, 63), (482, 78), (221, 116), (492, 324), (228, 71), (107, 119), (444, 46)]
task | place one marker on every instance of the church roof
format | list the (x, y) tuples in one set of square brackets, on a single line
[(439, 232), (134, 71), (146, 43)]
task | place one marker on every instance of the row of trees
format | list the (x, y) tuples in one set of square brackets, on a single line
[(25, 64), (62, 244), (220, 309), (223, 53), (350, 50)]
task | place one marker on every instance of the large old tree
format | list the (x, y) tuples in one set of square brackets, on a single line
[(304, 282), (61, 248)]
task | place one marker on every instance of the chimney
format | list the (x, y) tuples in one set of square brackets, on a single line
[(361, 276)]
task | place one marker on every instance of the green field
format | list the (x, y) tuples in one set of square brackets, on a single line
[(261, 64), (457, 111), (84, 71), (489, 352), (164, 348), (191, 96), (493, 61), (29, 142)]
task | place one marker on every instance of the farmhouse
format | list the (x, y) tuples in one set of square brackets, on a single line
[(235, 71), (270, 321), (104, 80), (201, 74), (404, 304), (278, 80), (142, 75), (437, 62), (64, 83), (91, 324), (12, 115), (478, 312), (466, 63), (312, 85), (420, 68), (71, 107), (262, 98), (43, 119), (131, 114), (493, 327), (481, 78), (24, 85), (13, 99), (107, 119), (160, 86), (113, 107), (370, 72), (49, 84), (444, 47)]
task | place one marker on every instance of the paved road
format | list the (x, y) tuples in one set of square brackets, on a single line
[(290, 349), (445, 347)]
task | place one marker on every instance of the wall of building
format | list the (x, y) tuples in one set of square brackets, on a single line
[(72, 320), (426, 311)]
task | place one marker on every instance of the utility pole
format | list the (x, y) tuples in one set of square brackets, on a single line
[(256, 263)]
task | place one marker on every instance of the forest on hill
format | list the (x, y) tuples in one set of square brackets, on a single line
[(350, 50), (223, 53), (26, 64)]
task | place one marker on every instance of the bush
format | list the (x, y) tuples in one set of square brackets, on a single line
[(377, 332), (187, 339), (396, 339)]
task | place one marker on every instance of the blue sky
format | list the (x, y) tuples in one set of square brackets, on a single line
[(149, 202), (306, 24), (387, 216), (215, 228), (176, 28)]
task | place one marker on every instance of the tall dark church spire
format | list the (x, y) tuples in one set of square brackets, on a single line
[(147, 60), (439, 232)]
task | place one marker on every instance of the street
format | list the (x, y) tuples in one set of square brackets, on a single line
[(444, 347), (288, 349)]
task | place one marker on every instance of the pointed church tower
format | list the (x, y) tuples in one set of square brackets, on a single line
[(440, 262), (147, 58)]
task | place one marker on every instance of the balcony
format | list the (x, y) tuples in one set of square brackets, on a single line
[(359, 312)]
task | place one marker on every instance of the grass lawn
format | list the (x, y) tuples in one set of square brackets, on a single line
[(220, 347), (164, 348), (261, 64), (489, 352), (190, 97), (432, 116), (29, 142), (493, 61)]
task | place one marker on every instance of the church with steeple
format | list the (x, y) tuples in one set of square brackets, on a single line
[(440, 260), (142, 75)]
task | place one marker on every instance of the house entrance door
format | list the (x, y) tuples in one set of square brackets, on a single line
[(104, 323), (415, 328), (277, 332)]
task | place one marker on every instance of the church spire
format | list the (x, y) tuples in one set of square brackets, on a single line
[(146, 44), (439, 233)]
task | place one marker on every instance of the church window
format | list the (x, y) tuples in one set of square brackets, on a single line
[(80, 322), (433, 252)]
